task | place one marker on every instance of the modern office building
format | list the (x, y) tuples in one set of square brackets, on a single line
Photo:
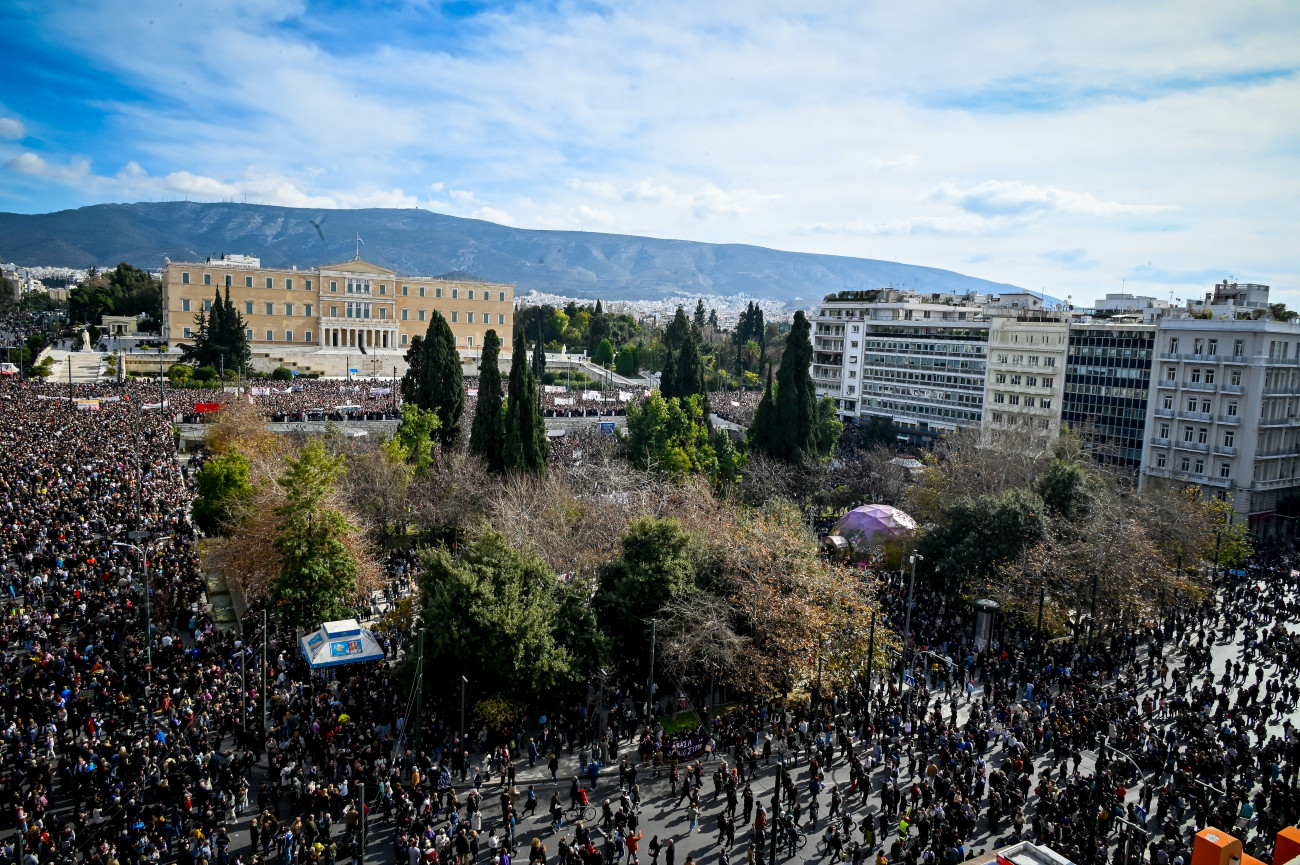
[(1107, 381), (917, 360), (351, 307)]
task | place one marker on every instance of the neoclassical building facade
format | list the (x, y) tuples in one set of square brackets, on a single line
[(347, 307)]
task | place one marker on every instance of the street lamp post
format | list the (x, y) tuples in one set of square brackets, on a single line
[(650, 683), (907, 619), (148, 623), (464, 759)]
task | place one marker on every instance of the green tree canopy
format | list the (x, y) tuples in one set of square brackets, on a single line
[(318, 573), (412, 443), (222, 486), (670, 436), (491, 614), (626, 363), (604, 353), (656, 563), (487, 434), (973, 536), (827, 427)]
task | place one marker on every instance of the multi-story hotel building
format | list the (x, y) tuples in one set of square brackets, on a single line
[(337, 308)]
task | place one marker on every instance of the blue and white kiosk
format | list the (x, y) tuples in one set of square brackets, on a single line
[(339, 643)]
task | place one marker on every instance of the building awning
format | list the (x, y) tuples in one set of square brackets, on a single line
[(338, 643)]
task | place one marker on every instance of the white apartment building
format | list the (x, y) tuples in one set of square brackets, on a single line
[(918, 360), (1025, 382), (1225, 411)]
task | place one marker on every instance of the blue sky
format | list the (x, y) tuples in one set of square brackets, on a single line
[(1070, 147)]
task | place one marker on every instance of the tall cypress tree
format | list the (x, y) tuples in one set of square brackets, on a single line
[(689, 372), (441, 387), (414, 363), (760, 428), (796, 408), (668, 378), (539, 359), (487, 434), (526, 447)]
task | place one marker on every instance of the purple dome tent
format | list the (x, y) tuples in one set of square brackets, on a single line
[(869, 527)]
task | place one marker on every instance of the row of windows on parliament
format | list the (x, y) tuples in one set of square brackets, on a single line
[(356, 286), (354, 309), (349, 338)]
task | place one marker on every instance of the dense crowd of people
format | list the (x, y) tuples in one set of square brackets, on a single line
[(117, 749)]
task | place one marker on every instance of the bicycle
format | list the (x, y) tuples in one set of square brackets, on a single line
[(585, 813), (800, 839)]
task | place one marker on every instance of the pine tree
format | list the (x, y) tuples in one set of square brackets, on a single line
[(487, 435), (713, 319), (441, 386), (526, 447), (699, 313), (219, 340)]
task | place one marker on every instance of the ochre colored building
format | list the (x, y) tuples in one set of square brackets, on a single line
[(333, 308)]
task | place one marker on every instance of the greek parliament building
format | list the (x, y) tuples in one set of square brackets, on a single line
[(324, 319), (1207, 394)]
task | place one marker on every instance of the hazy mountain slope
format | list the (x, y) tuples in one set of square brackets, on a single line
[(613, 266)]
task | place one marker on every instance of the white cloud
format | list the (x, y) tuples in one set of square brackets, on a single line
[(598, 188), (12, 128), (35, 166), (692, 120), (587, 213), (994, 198), (709, 200), (491, 214)]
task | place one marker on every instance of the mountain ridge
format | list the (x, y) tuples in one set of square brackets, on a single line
[(415, 241)]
